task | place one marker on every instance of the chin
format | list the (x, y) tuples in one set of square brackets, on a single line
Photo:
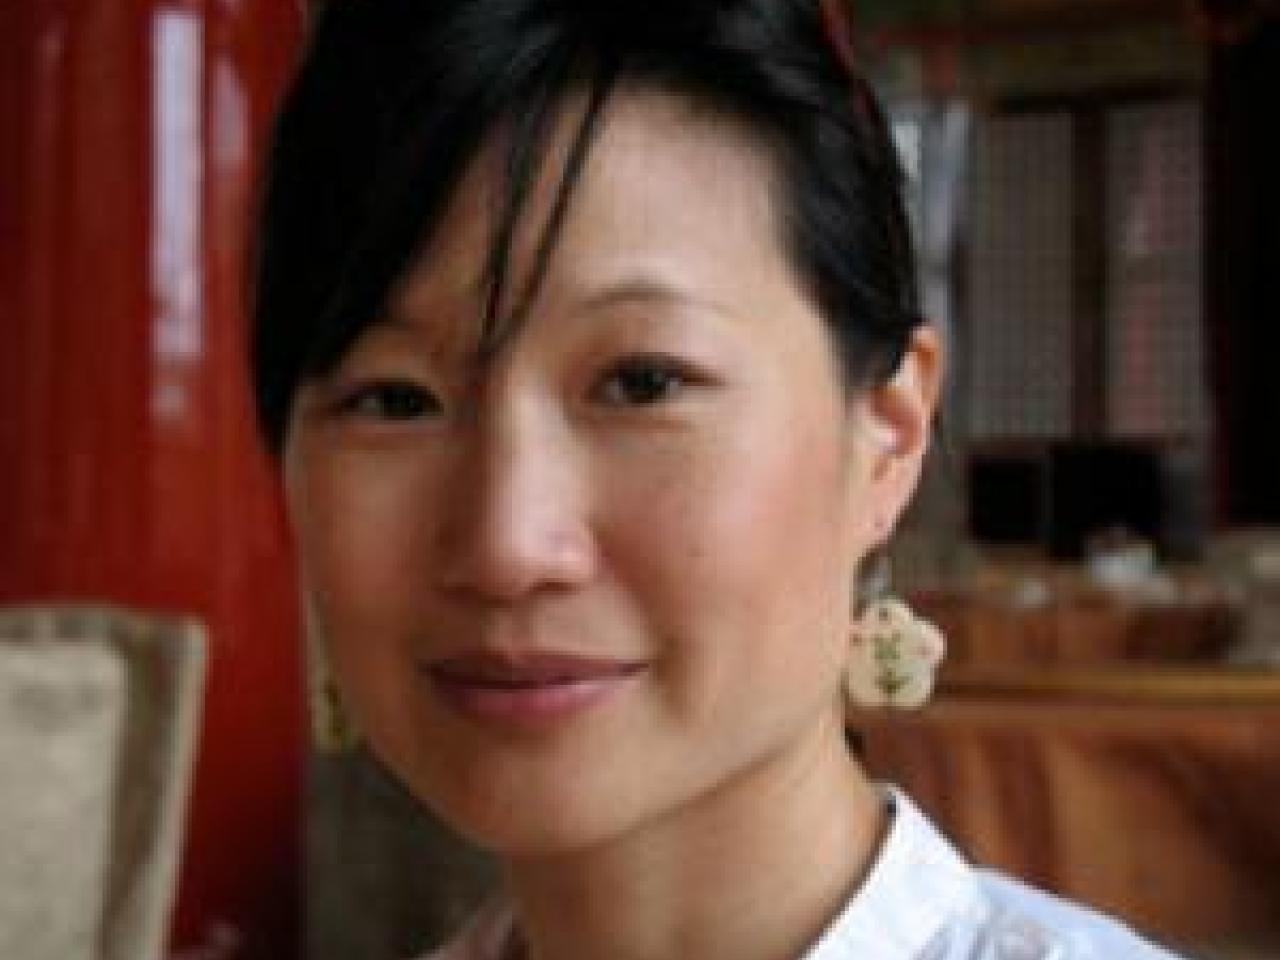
[(521, 827), (520, 800)]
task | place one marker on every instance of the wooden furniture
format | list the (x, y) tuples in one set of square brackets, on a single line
[(1052, 615), (1150, 792)]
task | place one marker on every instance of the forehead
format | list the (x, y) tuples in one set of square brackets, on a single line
[(670, 192)]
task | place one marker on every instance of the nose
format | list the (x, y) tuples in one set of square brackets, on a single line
[(519, 521)]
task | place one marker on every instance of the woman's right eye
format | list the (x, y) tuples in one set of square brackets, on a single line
[(393, 400), (644, 381)]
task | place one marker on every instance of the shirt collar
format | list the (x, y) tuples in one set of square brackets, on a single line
[(916, 886)]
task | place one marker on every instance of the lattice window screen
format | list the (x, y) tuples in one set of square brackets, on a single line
[(1155, 375), (1020, 305)]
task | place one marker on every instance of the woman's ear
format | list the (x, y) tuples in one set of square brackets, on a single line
[(894, 420)]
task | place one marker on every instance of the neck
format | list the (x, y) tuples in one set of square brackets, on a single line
[(754, 870)]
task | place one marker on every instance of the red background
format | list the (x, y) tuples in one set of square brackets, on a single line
[(129, 469)]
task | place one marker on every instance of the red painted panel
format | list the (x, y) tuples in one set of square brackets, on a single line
[(129, 470)]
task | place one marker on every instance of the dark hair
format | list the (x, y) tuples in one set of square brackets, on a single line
[(394, 98)]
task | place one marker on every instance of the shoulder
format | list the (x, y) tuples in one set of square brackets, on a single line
[(922, 900), (1022, 921)]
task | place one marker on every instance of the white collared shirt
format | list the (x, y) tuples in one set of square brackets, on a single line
[(920, 901)]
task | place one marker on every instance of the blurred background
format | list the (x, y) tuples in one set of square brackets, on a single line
[(1094, 189)]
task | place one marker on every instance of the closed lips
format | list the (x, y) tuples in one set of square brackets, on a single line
[(528, 671)]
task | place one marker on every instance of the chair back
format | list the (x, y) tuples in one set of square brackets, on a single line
[(99, 712)]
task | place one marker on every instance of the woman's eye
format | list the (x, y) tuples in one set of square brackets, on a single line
[(390, 400), (643, 380)]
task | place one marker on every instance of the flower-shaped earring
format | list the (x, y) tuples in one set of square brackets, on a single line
[(893, 657), (332, 730)]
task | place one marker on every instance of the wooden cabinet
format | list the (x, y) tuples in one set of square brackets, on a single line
[(1149, 792)]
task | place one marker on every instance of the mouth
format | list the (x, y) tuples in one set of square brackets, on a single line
[(531, 689), (528, 670)]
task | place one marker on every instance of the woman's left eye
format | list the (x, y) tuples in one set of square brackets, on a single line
[(641, 381)]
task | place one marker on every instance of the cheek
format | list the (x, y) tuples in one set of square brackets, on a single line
[(739, 554), (357, 536), (785, 561)]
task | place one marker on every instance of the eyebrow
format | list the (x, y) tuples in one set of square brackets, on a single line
[(638, 288), (410, 321), (646, 288)]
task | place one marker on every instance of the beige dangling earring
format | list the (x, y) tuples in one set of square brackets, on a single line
[(331, 728), (893, 656)]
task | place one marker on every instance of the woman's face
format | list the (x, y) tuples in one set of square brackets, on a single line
[(573, 591)]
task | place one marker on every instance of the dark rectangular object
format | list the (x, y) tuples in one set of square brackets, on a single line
[(1099, 486), (1008, 497)]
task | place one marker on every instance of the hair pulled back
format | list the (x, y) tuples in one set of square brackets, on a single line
[(394, 98)]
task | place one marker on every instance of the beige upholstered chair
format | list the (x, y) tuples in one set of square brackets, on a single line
[(98, 722)]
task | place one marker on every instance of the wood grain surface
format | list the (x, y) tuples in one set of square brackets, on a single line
[(1152, 794)]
